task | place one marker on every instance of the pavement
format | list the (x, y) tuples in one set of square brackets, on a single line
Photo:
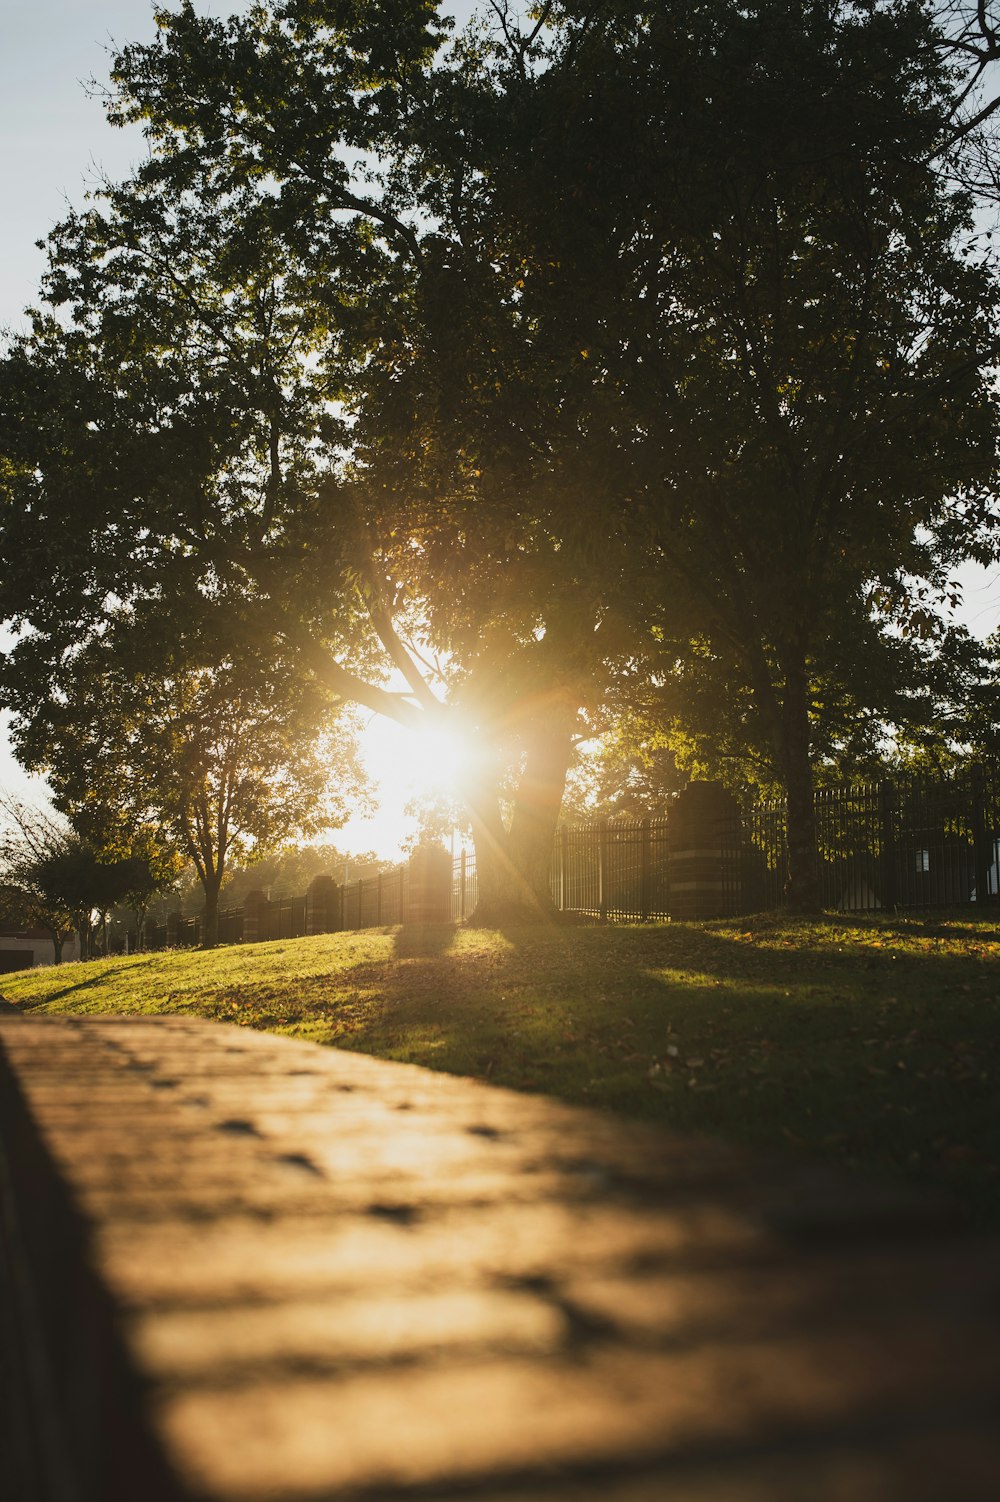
[(237, 1267)]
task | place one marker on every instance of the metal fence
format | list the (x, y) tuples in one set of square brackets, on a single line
[(369, 902), (913, 842), (464, 886), (374, 900)]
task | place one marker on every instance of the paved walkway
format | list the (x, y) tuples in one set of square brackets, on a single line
[(263, 1270)]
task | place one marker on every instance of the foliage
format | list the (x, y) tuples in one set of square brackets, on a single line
[(890, 698), (217, 747), (54, 878), (630, 770), (794, 344), (870, 1042), (287, 871), (517, 364)]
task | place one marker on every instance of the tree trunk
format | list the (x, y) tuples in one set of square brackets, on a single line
[(210, 916), (57, 946), (802, 880), (513, 866)]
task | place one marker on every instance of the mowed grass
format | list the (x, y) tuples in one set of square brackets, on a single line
[(875, 1043)]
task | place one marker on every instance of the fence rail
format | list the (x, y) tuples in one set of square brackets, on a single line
[(913, 842)]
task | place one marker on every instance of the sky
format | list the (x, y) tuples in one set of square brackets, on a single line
[(55, 143)]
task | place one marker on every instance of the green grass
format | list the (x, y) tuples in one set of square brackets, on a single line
[(871, 1042)]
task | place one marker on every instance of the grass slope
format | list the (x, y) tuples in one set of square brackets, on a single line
[(875, 1042)]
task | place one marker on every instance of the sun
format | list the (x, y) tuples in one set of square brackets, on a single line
[(435, 760), (405, 765)]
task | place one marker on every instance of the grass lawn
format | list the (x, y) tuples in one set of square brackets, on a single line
[(873, 1042)]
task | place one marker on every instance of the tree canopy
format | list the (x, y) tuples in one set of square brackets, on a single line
[(524, 363)]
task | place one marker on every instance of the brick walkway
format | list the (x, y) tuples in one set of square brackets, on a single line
[(266, 1270)]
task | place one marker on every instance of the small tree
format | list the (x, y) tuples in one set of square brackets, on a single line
[(54, 878), (222, 751)]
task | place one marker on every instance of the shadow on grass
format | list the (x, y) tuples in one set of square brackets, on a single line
[(868, 1052)]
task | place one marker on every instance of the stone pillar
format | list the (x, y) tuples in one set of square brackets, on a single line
[(703, 838), (255, 907), (322, 906), (429, 894)]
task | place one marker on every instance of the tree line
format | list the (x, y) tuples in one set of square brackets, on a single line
[(596, 368)]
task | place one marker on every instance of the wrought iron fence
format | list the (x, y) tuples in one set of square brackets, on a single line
[(913, 842), (464, 886)]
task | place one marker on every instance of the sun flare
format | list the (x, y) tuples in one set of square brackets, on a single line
[(407, 766)]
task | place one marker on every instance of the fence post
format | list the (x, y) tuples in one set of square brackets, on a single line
[(981, 842), (602, 868), (887, 841), (378, 900), (700, 852), (461, 887), (431, 876), (320, 898), (254, 908), (562, 869), (644, 898)]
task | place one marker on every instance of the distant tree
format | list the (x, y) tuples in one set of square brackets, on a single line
[(224, 755), (54, 878), (288, 870)]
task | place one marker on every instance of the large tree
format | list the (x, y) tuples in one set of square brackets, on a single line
[(794, 329), (212, 313)]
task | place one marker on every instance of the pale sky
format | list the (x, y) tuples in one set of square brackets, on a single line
[(55, 143)]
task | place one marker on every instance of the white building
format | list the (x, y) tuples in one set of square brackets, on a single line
[(23, 948)]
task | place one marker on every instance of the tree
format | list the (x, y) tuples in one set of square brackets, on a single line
[(800, 334), (54, 878), (173, 292), (221, 751), (614, 340)]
